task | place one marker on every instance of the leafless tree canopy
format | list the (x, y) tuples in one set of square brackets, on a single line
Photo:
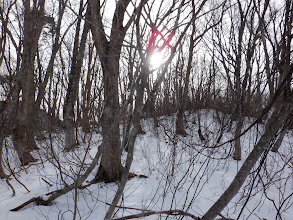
[(71, 70)]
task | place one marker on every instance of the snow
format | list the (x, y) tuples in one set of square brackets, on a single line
[(182, 174)]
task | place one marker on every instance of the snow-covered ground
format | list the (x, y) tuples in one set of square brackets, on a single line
[(182, 174)]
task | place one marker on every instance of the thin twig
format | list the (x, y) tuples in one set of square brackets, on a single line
[(9, 184)]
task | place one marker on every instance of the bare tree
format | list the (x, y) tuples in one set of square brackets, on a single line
[(74, 77), (282, 102), (109, 51), (237, 56), (129, 84), (20, 115)]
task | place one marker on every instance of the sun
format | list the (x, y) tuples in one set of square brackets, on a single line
[(156, 60)]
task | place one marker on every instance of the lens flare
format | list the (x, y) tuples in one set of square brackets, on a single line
[(156, 60)]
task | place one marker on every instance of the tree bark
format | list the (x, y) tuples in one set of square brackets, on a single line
[(130, 145), (2, 172), (153, 111), (184, 98), (237, 145), (87, 94), (23, 133), (279, 141), (73, 85), (110, 167), (2, 135), (109, 52)]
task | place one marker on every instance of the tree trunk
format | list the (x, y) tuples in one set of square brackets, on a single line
[(154, 112), (109, 52), (279, 141), (21, 145), (23, 133), (87, 95), (184, 97), (2, 173), (73, 85), (151, 111), (237, 146), (110, 167), (130, 145), (179, 122)]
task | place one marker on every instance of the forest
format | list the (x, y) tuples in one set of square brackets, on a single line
[(156, 109)]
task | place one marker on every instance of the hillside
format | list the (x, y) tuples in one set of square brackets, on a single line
[(182, 173)]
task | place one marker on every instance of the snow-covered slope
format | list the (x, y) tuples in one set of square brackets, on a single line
[(183, 173)]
